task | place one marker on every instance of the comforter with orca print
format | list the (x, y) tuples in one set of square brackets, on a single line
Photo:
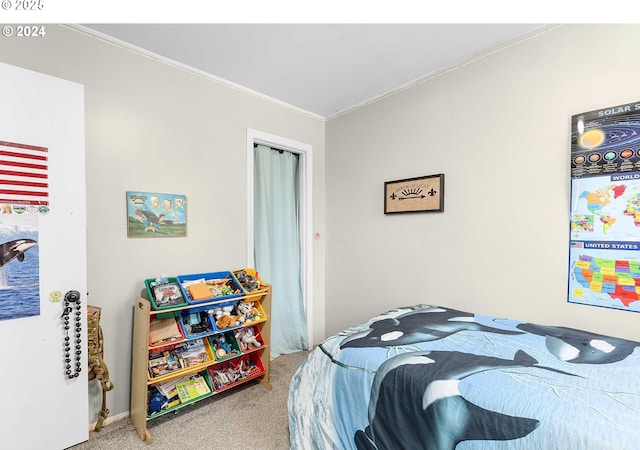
[(429, 377)]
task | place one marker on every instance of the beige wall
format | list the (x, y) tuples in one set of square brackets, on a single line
[(152, 127), (499, 130)]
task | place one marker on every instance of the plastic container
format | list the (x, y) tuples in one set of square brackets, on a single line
[(162, 363), (155, 398), (196, 324), (229, 374), (178, 353), (169, 341), (152, 298), (247, 286), (252, 318), (209, 277), (229, 309), (229, 346), (185, 354), (246, 344)]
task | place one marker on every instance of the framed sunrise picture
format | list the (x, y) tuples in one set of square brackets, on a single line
[(420, 194)]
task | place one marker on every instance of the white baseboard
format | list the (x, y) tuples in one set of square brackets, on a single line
[(109, 420)]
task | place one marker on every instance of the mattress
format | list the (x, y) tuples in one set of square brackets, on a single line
[(431, 377)]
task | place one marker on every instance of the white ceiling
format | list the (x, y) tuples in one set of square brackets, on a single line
[(323, 69)]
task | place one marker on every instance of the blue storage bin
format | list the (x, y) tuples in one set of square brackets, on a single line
[(204, 326), (210, 276)]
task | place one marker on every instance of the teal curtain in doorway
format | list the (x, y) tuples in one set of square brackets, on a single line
[(277, 245)]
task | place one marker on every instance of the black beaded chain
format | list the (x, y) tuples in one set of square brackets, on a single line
[(72, 297)]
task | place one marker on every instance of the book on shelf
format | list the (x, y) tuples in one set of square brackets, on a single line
[(164, 330), (168, 295), (193, 388), (168, 389), (192, 353), (162, 363)]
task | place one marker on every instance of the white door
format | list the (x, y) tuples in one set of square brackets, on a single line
[(43, 223)]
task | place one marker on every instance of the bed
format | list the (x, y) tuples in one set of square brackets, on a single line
[(430, 377)]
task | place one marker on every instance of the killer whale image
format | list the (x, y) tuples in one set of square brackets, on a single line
[(581, 347), (15, 250), (418, 326), (415, 403)]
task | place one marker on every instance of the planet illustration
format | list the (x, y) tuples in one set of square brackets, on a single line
[(626, 153)]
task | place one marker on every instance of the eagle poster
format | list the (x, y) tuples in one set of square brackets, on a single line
[(156, 215)]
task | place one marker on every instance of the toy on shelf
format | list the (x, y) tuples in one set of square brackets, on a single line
[(231, 372), (221, 287), (209, 286), (162, 363), (249, 282), (224, 346), (247, 339), (164, 292), (248, 311), (224, 317), (158, 401), (196, 323)]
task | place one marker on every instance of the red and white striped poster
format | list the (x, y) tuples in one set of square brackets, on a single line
[(24, 174)]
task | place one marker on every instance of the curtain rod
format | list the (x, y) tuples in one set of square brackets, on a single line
[(255, 144)]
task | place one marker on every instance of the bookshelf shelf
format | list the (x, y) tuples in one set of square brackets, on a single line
[(252, 363)]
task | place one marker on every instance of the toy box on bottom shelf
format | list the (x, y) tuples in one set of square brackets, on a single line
[(174, 394), (230, 373)]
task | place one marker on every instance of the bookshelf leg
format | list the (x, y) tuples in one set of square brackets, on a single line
[(265, 383)]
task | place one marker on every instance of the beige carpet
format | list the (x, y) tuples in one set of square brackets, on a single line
[(247, 417)]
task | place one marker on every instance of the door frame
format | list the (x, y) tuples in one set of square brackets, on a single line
[(305, 167)]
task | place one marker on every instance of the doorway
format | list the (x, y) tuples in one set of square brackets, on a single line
[(305, 176)]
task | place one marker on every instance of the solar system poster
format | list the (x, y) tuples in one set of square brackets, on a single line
[(604, 256)]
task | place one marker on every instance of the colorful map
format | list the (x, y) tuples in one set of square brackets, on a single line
[(601, 197), (605, 274), (605, 209), (582, 222), (619, 279), (633, 209)]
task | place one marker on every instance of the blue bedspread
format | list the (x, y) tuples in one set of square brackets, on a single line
[(428, 377)]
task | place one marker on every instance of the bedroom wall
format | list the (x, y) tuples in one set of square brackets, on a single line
[(499, 129), (153, 127)]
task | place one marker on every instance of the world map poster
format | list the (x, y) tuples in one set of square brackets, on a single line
[(604, 257)]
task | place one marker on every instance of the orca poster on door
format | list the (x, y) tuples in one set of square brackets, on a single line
[(20, 266), (24, 194)]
